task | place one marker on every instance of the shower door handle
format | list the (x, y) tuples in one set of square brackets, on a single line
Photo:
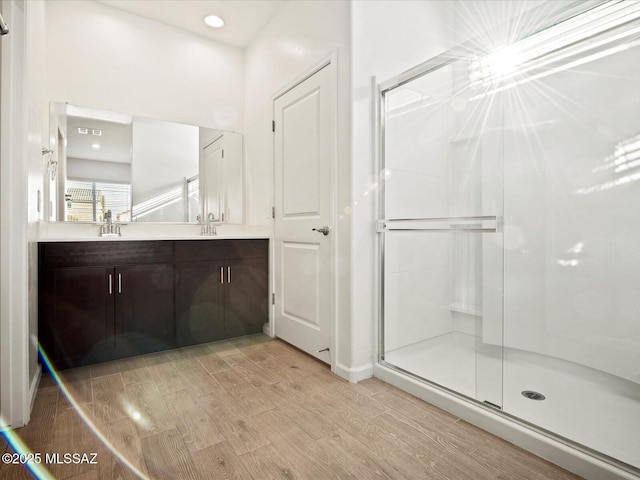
[(323, 230)]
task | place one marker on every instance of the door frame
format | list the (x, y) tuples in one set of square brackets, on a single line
[(16, 391), (330, 61)]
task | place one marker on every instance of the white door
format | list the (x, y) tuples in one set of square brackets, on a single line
[(213, 180), (304, 190)]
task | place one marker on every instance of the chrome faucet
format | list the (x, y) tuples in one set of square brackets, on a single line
[(208, 229), (108, 228)]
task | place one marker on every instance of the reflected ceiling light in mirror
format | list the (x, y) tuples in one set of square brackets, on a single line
[(584, 38), (213, 21), (93, 131)]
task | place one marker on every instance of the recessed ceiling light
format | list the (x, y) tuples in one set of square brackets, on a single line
[(214, 21), (95, 145), (83, 130)]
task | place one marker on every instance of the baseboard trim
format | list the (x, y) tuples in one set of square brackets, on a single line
[(354, 375), (554, 451)]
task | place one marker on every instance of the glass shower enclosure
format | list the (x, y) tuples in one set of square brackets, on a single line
[(509, 228)]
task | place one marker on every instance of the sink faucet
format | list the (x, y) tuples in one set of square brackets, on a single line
[(209, 229), (108, 228)]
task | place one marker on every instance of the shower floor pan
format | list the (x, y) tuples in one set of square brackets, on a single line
[(596, 409)]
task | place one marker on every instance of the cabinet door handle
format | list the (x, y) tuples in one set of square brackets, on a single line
[(221, 274), (119, 283), (110, 285), (228, 274)]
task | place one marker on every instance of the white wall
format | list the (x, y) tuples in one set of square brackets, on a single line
[(388, 37), (101, 57), (296, 40), (83, 169)]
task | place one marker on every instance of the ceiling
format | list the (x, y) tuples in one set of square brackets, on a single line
[(114, 141), (243, 18)]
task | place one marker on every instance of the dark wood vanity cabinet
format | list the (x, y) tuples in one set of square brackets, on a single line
[(104, 300), (221, 289), (75, 315)]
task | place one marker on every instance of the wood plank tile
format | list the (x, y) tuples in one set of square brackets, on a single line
[(199, 380), (126, 445), (188, 352), (276, 349), (108, 399), (112, 468), (37, 434), (249, 340), (235, 358), (167, 377), (220, 462), (349, 393), (77, 382), (146, 403), (255, 375), (242, 434), (92, 475), (268, 464), (213, 363), (256, 353), (348, 449), (287, 439), (167, 457), (247, 397), (47, 382), (134, 370), (374, 385), (156, 358), (223, 349), (104, 369), (197, 428), (304, 415), (267, 411), (71, 435)]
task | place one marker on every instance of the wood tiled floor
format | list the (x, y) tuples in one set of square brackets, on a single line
[(256, 408)]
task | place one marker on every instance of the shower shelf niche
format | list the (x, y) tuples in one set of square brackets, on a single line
[(467, 309)]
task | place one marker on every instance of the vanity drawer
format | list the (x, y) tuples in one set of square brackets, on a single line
[(86, 254), (199, 250)]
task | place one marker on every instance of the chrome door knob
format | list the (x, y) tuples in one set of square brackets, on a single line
[(323, 230)]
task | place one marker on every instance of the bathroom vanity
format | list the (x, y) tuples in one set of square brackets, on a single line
[(103, 300)]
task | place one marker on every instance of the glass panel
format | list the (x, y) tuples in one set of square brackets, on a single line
[(561, 107), (443, 191), (435, 323), (572, 263)]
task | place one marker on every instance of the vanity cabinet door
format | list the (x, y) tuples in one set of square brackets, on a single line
[(144, 308), (76, 315), (246, 296), (199, 302)]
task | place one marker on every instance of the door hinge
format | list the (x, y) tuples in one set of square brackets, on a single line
[(273, 299), (273, 125), (273, 212)]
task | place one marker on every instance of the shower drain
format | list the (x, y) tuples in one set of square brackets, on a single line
[(531, 395)]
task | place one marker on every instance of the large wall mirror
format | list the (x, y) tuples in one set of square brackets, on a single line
[(140, 169)]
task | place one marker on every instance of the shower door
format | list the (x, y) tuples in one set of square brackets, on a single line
[(440, 233)]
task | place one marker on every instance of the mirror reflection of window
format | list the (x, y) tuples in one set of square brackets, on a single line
[(89, 201)]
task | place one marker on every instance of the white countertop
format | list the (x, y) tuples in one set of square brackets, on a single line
[(86, 232)]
